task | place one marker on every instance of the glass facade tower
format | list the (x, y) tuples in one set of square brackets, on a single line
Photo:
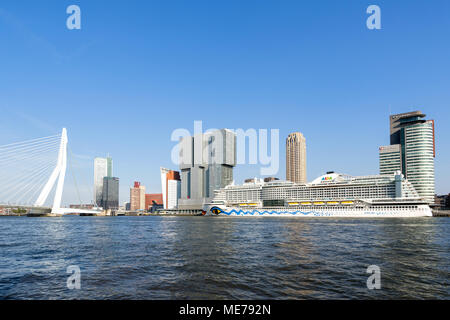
[(390, 159), (110, 194), (419, 158), (102, 168), (412, 151)]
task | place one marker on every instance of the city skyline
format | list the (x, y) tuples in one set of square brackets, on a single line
[(381, 168), (155, 190), (338, 87)]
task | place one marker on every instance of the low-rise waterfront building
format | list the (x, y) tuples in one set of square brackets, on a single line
[(153, 200), (442, 202), (82, 206)]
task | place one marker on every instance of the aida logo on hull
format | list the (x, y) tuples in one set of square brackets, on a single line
[(324, 179)]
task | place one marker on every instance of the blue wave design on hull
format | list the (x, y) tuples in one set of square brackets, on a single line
[(273, 212)]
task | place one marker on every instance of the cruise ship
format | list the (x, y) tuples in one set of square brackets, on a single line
[(331, 195)]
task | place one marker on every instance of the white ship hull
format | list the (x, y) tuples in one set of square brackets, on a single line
[(420, 211)]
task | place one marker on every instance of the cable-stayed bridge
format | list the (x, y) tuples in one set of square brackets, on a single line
[(29, 171)]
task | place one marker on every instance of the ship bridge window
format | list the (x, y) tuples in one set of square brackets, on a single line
[(273, 203)]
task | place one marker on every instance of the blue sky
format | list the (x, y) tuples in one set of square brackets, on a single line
[(137, 70)]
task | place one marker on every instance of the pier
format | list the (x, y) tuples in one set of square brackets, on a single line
[(179, 212), (441, 213)]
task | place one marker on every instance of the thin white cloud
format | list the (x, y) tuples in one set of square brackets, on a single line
[(38, 42), (37, 123)]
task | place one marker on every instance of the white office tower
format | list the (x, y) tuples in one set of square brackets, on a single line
[(206, 164), (102, 168), (171, 188)]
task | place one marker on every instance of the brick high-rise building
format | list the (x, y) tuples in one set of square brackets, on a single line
[(137, 197), (296, 158)]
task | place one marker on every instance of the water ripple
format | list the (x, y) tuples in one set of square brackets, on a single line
[(223, 258)]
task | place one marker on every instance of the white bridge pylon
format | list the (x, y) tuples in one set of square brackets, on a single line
[(58, 173)]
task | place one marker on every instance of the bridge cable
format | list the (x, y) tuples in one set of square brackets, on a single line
[(34, 159), (73, 173)]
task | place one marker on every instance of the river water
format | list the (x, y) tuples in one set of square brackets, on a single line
[(223, 258)]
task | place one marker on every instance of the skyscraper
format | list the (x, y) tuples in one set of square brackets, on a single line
[(296, 158), (413, 136), (137, 197), (102, 168), (171, 188), (206, 164), (390, 159), (110, 194)]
